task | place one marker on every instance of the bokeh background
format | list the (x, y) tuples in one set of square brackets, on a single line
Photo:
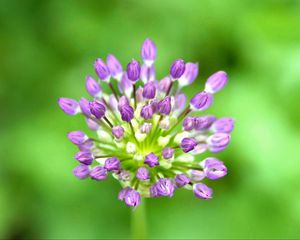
[(48, 47)]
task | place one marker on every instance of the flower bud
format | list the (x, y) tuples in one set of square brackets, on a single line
[(181, 180), (147, 112), (118, 132), (216, 82), (188, 144), (168, 153), (165, 187), (188, 123), (114, 66), (218, 142), (69, 106), (214, 168), (164, 84), (153, 191), (149, 90), (203, 122), (123, 192), (143, 174), (177, 69), (196, 175), (82, 171), (201, 101), (97, 109), (86, 146), (146, 128), (101, 69), (122, 102), (151, 160), (98, 173), (180, 100), (126, 113), (112, 164), (92, 124), (223, 125), (133, 70), (148, 52), (85, 107), (125, 85), (189, 75), (92, 87), (164, 106), (84, 157), (132, 198), (77, 137), (202, 191), (124, 175)]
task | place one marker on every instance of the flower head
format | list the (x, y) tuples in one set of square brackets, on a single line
[(148, 138)]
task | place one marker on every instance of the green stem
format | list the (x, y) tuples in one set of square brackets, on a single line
[(138, 222)]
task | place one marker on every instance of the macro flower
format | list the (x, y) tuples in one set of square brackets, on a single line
[(146, 134)]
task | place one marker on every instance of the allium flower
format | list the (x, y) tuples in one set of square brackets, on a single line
[(144, 133)]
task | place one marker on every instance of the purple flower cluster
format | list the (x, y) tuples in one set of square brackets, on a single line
[(137, 131)]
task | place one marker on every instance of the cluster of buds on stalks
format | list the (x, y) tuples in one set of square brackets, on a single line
[(144, 133)]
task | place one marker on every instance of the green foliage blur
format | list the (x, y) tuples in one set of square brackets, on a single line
[(48, 47)]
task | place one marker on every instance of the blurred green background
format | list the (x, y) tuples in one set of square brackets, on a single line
[(48, 47)]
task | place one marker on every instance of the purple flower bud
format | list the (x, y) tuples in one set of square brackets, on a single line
[(188, 123), (92, 124), (189, 75), (216, 82), (97, 109), (147, 112), (92, 87), (180, 100), (139, 94), (153, 191), (143, 174), (133, 70), (218, 142), (77, 137), (112, 164), (155, 106), (69, 106), (188, 144), (149, 90), (84, 157), (223, 125), (201, 101), (148, 52), (197, 175), (146, 127), (168, 153), (124, 175), (85, 107), (126, 113), (214, 168), (98, 173), (203, 122), (82, 171), (165, 187), (177, 69), (165, 106), (132, 198), (202, 191), (123, 192), (114, 66), (164, 84), (122, 102), (181, 180), (118, 132), (125, 85), (86, 146), (151, 160), (101, 69)]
